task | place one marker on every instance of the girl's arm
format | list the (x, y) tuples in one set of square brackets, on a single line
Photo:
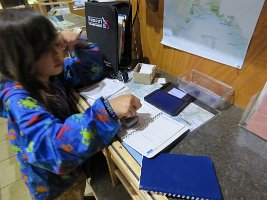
[(85, 65), (56, 146)]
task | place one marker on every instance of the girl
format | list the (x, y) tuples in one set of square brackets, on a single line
[(50, 141)]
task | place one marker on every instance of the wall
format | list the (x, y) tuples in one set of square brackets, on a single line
[(147, 35)]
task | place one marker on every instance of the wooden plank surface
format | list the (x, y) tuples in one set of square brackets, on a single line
[(126, 185), (130, 169)]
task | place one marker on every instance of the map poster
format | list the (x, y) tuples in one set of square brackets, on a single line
[(219, 30)]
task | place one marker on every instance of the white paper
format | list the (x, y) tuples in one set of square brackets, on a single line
[(160, 80), (176, 92), (104, 88), (146, 69)]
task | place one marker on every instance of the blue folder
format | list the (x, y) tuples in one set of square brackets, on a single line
[(182, 176), (137, 156)]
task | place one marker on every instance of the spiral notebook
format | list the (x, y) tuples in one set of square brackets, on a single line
[(153, 135), (182, 176)]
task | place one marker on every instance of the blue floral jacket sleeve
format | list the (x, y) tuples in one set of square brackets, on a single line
[(85, 65), (47, 142)]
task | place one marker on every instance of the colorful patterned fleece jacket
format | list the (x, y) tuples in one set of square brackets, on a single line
[(50, 150)]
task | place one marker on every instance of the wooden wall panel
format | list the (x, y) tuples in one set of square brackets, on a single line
[(247, 81)]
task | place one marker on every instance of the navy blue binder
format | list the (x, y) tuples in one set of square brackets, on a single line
[(182, 176)]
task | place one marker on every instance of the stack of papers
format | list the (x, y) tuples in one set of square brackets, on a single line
[(105, 88)]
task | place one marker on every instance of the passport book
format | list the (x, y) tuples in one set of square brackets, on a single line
[(183, 176)]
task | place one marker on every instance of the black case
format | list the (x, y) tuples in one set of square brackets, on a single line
[(102, 28)]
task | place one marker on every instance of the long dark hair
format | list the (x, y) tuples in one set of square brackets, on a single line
[(24, 36)]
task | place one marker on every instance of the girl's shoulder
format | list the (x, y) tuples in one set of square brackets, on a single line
[(10, 88)]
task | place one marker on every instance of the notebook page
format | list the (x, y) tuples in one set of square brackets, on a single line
[(150, 135), (145, 113)]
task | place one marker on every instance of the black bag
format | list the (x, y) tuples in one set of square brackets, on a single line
[(103, 28)]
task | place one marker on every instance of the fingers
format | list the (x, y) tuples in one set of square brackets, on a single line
[(130, 113), (125, 105), (78, 30), (134, 105), (71, 38)]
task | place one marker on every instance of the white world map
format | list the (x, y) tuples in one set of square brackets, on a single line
[(219, 30)]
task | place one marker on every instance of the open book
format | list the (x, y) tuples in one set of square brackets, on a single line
[(153, 133)]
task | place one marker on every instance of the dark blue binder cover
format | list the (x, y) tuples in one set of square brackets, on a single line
[(166, 102), (181, 176)]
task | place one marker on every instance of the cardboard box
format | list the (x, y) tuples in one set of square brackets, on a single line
[(145, 78)]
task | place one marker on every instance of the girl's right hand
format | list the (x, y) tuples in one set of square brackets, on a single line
[(71, 38), (125, 105)]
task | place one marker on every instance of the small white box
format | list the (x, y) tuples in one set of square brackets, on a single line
[(145, 78)]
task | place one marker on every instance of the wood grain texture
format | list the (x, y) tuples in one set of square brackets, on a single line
[(246, 82)]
